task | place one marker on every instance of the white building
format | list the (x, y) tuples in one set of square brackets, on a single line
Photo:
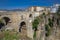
[(54, 8), (37, 8)]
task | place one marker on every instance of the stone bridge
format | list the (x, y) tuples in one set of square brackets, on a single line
[(18, 19)]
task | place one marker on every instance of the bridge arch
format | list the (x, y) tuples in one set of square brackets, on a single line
[(6, 19), (22, 26)]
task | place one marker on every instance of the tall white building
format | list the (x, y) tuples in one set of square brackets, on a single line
[(54, 8)]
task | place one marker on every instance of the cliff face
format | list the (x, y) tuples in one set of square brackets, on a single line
[(52, 30)]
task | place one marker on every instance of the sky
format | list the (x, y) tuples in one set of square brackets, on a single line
[(13, 4)]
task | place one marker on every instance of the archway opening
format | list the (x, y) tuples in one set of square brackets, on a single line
[(2, 25), (22, 23), (6, 20), (30, 15), (22, 26)]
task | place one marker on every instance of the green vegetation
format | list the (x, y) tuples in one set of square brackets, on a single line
[(1, 21), (35, 25), (49, 26), (11, 35), (34, 36), (47, 29), (7, 35), (50, 22)]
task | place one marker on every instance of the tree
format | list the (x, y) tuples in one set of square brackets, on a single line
[(35, 23)]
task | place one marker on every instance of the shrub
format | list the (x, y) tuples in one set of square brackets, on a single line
[(10, 36), (35, 23), (50, 22), (47, 29), (34, 34)]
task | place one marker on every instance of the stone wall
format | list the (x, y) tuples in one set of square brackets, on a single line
[(17, 17)]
